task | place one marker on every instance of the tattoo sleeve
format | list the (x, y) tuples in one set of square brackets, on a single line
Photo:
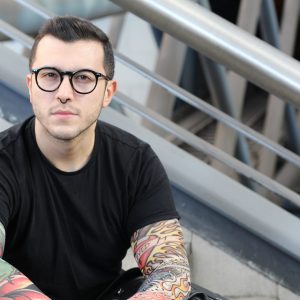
[(159, 251), (13, 284)]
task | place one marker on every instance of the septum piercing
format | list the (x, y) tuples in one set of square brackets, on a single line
[(63, 102)]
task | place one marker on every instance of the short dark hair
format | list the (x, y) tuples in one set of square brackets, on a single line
[(70, 29)]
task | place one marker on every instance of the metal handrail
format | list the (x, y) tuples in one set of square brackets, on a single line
[(44, 12), (223, 42), (208, 149), (16, 34), (209, 109), (38, 9)]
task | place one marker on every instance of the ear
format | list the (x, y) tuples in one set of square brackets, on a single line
[(110, 90), (29, 84)]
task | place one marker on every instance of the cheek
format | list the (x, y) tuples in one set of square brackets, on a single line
[(92, 103), (39, 99), (92, 108), (36, 107)]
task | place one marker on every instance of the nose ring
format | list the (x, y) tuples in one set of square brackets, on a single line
[(63, 102)]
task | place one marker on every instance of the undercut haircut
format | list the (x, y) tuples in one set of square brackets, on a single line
[(71, 29)]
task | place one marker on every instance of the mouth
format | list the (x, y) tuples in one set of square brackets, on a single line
[(63, 113)]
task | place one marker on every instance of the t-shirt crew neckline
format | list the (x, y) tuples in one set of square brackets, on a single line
[(51, 166)]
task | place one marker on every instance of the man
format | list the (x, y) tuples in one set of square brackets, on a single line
[(74, 191)]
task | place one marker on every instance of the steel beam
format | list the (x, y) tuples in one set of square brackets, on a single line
[(276, 107)]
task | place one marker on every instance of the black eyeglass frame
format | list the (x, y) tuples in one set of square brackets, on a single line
[(71, 75)]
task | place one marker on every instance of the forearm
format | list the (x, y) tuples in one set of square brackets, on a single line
[(159, 251), (13, 284), (170, 281), (149, 296)]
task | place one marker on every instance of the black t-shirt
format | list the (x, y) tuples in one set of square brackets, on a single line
[(69, 231)]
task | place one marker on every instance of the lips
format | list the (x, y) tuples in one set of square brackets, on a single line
[(63, 113)]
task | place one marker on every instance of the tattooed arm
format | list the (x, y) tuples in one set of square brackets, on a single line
[(13, 284), (159, 251)]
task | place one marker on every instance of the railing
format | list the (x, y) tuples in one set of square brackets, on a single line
[(223, 42), (27, 17)]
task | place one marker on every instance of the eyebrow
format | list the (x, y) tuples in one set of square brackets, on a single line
[(63, 70)]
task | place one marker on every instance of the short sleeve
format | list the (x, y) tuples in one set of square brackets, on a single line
[(7, 192), (151, 197)]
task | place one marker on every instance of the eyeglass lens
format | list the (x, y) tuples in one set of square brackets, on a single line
[(82, 81)]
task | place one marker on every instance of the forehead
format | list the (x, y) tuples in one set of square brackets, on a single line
[(69, 55)]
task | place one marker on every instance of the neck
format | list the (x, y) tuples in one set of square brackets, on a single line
[(66, 155)]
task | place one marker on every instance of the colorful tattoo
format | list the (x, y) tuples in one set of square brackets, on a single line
[(13, 284), (160, 253), (149, 296)]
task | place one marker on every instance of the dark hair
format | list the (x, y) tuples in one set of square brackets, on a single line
[(70, 29)]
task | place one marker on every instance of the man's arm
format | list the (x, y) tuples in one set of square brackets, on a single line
[(13, 284), (159, 251)]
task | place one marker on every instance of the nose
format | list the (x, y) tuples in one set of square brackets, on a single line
[(65, 91)]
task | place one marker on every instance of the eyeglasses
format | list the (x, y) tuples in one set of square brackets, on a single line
[(83, 81)]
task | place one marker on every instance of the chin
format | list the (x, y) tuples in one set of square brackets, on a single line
[(64, 135), (68, 132)]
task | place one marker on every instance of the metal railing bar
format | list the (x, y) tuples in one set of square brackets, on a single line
[(209, 109), (207, 148), (270, 32), (38, 9), (224, 42), (16, 34), (46, 14)]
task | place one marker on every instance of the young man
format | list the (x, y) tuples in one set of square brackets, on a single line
[(76, 192)]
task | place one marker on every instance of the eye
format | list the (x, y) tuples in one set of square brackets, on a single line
[(49, 75), (84, 77)]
